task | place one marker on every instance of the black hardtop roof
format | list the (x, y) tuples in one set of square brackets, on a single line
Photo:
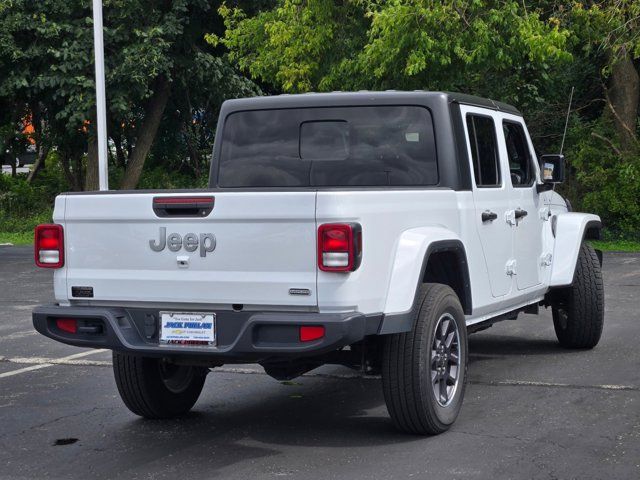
[(363, 98)]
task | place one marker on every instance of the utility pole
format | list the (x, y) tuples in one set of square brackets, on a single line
[(101, 102)]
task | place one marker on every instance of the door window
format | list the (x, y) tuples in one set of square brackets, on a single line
[(520, 160), (484, 150)]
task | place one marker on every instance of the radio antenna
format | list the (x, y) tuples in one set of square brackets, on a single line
[(566, 123)]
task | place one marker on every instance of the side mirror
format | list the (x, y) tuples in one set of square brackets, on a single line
[(552, 171)]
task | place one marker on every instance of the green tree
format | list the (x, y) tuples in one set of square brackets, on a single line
[(493, 48), (611, 30), (155, 56)]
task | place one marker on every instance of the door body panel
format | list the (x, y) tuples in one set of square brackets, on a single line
[(495, 234), (518, 150)]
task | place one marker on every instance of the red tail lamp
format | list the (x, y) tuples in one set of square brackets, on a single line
[(309, 333), (69, 325)]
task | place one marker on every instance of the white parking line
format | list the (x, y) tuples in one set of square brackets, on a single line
[(17, 335), (24, 370), (56, 361), (527, 383), (506, 383), (39, 363), (43, 362)]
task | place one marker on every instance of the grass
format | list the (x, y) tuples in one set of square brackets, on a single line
[(616, 245), (20, 238), (18, 230)]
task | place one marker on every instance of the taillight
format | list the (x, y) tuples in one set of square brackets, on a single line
[(69, 325), (309, 333), (49, 246), (339, 247)]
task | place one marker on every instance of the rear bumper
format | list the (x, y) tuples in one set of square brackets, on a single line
[(241, 336)]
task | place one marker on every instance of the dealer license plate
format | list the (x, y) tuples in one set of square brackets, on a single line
[(188, 328)]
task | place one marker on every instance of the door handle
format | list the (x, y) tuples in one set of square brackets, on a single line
[(520, 213), (488, 216)]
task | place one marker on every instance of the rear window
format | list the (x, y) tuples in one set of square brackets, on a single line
[(314, 147)]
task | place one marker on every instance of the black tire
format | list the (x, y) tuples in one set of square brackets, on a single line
[(408, 360), (153, 388), (578, 315)]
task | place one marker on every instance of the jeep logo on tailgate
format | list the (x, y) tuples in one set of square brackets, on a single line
[(190, 242)]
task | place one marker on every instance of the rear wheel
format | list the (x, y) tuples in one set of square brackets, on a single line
[(578, 313), (156, 388), (424, 371)]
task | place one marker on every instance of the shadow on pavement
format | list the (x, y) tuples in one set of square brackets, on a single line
[(504, 345), (226, 429)]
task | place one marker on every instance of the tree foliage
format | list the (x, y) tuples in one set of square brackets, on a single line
[(612, 26), (499, 47), (155, 56)]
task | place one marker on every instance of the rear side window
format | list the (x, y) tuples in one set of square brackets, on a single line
[(332, 146), (484, 150), (520, 159)]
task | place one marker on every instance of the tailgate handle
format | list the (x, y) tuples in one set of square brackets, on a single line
[(183, 206)]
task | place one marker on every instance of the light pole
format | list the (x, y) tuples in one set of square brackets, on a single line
[(101, 102)]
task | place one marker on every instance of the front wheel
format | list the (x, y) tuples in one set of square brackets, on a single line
[(578, 313), (424, 371), (155, 388)]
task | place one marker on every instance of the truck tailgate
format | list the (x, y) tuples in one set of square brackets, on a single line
[(265, 245)]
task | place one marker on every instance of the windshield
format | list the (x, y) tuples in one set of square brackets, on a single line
[(333, 146)]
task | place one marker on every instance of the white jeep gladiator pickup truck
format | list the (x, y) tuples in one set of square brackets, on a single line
[(370, 229)]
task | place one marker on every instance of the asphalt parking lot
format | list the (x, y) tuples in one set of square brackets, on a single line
[(532, 410)]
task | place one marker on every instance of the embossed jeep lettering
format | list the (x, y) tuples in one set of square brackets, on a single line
[(190, 242)]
